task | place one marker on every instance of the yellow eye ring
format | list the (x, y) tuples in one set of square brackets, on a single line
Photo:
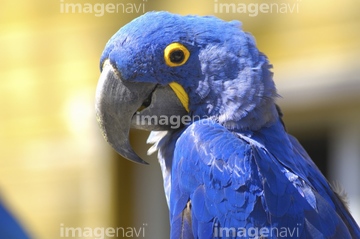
[(176, 54)]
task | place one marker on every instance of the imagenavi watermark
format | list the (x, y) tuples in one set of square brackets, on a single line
[(99, 9), (254, 9), (102, 232), (172, 121), (256, 232)]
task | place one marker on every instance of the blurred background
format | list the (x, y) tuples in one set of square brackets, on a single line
[(56, 170)]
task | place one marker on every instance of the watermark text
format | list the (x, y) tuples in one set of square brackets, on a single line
[(99, 9), (254, 9), (102, 232), (255, 232)]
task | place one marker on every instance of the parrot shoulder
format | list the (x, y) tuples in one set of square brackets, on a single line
[(249, 179)]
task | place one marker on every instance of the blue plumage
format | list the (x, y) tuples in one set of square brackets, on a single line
[(245, 183), (9, 227), (234, 172)]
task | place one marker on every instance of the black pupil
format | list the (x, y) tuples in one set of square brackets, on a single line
[(177, 56)]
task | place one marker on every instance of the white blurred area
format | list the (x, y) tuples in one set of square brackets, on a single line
[(55, 167)]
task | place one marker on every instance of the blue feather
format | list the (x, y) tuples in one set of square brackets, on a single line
[(9, 227), (270, 195)]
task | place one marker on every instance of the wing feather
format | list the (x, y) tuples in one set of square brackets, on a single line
[(243, 181)]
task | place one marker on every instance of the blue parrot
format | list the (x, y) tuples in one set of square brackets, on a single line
[(207, 93), (9, 227)]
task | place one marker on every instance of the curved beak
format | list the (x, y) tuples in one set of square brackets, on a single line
[(122, 104)]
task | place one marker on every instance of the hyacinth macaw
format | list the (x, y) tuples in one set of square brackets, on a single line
[(230, 169), (9, 227)]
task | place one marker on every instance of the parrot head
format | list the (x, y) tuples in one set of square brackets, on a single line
[(162, 65)]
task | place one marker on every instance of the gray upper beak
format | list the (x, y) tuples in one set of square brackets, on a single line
[(122, 104)]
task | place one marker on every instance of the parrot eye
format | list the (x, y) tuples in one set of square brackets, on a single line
[(176, 54)]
